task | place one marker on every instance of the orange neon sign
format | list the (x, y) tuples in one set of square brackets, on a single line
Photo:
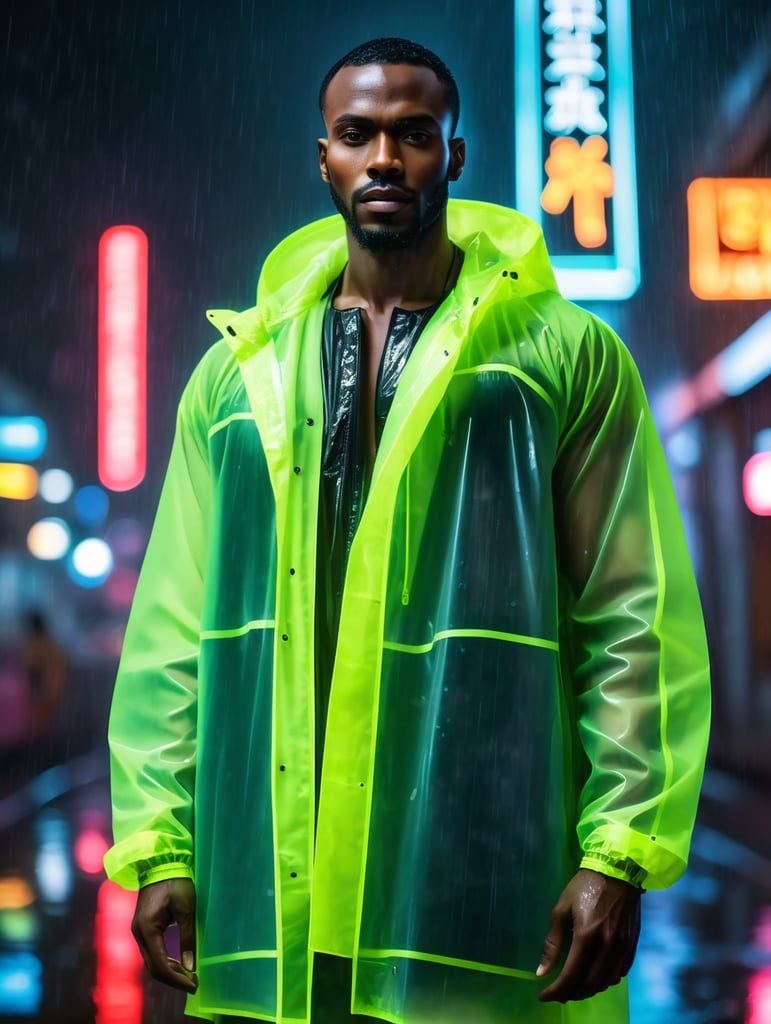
[(578, 171), (729, 233)]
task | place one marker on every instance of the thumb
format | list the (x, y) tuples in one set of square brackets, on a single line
[(187, 941), (552, 945), (182, 893)]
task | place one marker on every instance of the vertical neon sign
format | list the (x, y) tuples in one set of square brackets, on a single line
[(122, 397), (117, 990), (575, 166)]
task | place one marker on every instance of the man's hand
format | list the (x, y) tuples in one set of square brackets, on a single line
[(604, 914), (159, 905)]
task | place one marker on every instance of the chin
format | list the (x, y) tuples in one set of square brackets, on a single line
[(378, 240)]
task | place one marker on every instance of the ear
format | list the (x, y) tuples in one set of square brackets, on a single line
[(457, 158), (323, 146)]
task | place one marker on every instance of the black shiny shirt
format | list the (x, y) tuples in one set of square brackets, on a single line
[(345, 466)]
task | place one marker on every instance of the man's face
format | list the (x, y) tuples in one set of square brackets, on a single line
[(389, 156)]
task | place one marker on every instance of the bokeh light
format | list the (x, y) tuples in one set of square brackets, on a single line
[(759, 997), (49, 539), (763, 440), (55, 486), (53, 866), (15, 892), (17, 481), (91, 505), (90, 848), (90, 563), (21, 988), (756, 484), (22, 437), (19, 926)]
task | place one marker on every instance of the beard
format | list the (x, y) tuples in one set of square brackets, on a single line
[(382, 239)]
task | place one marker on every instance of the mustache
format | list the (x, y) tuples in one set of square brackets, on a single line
[(378, 186)]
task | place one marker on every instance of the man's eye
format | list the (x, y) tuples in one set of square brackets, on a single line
[(351, 135), (417, 137)]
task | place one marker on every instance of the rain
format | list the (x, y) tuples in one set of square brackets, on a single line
[(197, 123)]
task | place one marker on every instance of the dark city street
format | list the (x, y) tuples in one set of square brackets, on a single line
[(192, 128)]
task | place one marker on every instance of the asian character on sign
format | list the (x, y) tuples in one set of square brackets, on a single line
[(574, 103), (580, 173)]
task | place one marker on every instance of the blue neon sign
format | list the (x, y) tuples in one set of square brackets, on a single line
[(575, 150)]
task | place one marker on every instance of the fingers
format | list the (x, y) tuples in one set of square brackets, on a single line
[(569, 982), (158, 962), (595, 962), (606, 970), (552, 944), (187, 941), (159, 905), (605, 917)]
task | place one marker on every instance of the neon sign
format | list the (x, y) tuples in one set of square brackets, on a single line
[(575, 168), (579, 172), (756, 484), (122, 357), (729, 237), (22, 437), (117, 993)]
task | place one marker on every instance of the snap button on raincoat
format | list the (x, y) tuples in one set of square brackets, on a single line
[(520, 681)]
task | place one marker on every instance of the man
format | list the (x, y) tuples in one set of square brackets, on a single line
[(415, 684)]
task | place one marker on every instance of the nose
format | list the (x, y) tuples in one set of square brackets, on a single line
[(384, 157)]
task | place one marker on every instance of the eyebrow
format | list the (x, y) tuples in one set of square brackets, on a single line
[(413, 121)]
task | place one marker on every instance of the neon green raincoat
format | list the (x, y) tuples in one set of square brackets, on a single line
[(520, 681)]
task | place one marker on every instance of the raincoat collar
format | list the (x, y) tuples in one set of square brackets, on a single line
[(497, 242)]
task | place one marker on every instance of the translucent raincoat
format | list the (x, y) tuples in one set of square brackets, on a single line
[(520, 681)]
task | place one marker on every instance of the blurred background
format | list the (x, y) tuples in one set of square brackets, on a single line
[(196, 123)]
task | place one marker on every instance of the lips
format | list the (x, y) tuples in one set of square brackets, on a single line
[(385, 200)]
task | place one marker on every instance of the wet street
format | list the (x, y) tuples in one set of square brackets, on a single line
[(67, 956), (705, 953)]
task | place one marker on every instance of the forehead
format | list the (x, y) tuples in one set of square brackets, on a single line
[(360, 90)]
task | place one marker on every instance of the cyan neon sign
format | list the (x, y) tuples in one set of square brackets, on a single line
[(575, 166)]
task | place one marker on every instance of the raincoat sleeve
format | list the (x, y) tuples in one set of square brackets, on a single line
[(152, 731), (635, 657)]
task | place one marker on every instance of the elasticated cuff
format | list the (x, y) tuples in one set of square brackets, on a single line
[(161, 872), (625, 869)]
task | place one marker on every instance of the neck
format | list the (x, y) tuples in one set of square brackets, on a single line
[(409, 278)]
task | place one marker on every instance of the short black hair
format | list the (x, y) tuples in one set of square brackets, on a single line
[(392, 50)]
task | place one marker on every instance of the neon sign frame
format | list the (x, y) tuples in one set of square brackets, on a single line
[(589, 275)]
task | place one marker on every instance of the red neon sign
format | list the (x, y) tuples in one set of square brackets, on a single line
[(117, 992), (122, 399)]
